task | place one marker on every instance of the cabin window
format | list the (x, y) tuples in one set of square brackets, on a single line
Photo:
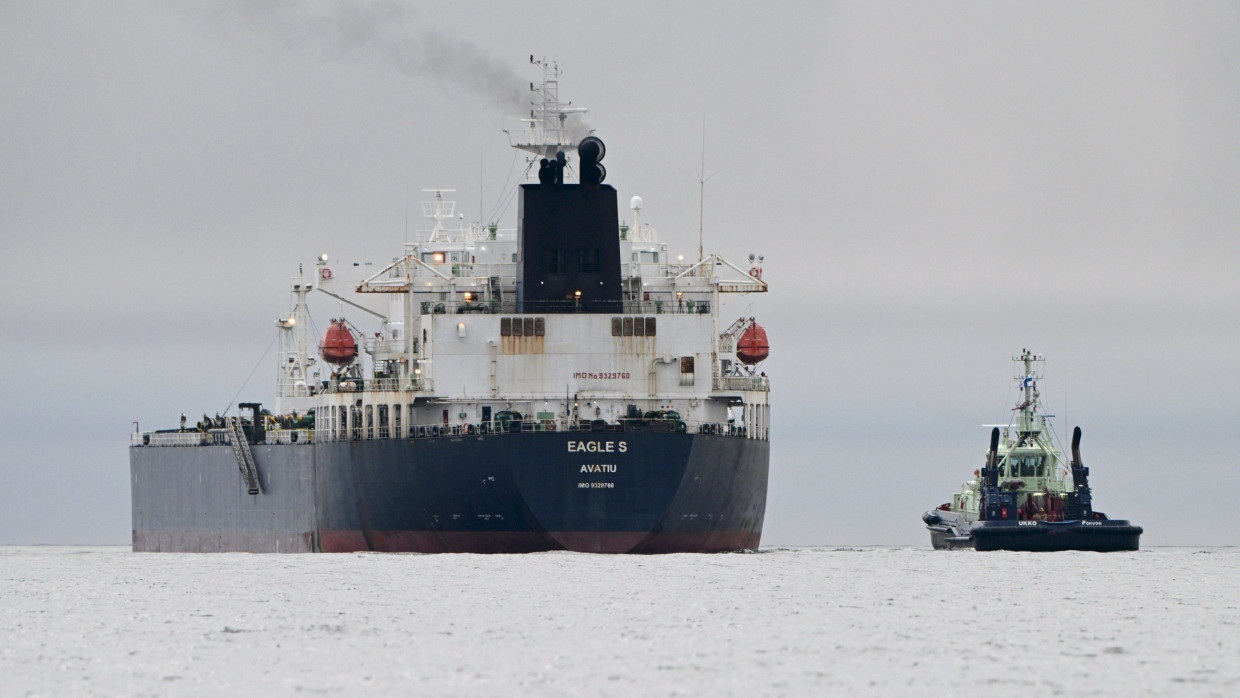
[(632, 327), (383, 422), (522, 327), (396, 432), (1025, 466), (370, 421)]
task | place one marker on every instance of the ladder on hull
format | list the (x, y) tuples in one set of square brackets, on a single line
[(245, 458)]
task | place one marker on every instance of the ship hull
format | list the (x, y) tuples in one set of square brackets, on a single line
[(606, 492), (950, 532), (1047, 536)]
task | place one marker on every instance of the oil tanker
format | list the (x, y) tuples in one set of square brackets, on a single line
[(567, 385)]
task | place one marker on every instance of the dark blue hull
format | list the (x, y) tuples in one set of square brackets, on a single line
[(1048, 536), (950, 531), (638, 492)]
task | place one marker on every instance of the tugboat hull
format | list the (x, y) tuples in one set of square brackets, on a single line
[(950, 532), (1047, 536)]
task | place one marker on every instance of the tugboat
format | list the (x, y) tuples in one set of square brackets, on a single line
[(1027, 496)]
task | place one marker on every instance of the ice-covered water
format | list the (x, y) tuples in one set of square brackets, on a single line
[(801, 621)]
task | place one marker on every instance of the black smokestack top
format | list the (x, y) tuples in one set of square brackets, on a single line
[(591, 150), (386, 32)]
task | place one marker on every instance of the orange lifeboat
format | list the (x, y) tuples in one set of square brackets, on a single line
[(338, 345), (752, 347)]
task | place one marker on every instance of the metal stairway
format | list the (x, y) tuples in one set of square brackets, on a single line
[(245, 458)]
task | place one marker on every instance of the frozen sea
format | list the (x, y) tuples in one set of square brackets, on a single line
[(787, 621)]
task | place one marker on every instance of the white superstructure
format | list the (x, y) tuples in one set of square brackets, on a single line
[(452, 352)]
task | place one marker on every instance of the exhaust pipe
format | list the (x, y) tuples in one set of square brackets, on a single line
[(992, 470), (1083, 506), (1080, 474)]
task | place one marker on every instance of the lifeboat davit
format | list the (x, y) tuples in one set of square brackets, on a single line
[(752, 347), (338, 345)]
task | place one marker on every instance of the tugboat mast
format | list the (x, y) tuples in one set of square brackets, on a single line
[(1029, 384)]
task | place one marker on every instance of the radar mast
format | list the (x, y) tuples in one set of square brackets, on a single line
[(549, 128)]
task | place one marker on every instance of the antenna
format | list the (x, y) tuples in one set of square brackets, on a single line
[(702, 190), (702, 178)]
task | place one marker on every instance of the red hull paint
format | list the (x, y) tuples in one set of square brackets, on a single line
[(512, 542)]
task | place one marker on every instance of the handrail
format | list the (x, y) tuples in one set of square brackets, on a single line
[(221, 437), (742, 383)]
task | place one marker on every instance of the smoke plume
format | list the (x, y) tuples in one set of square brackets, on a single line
[(382, 31)]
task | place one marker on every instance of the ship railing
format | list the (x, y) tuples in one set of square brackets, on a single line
[(374, 345), (458, 236), (289, 436), (211, 437), (178, 438), (490, 306), (359, 385), (433, 269), (433, 431), (668, 306), (222, 437), (631, 306), (742, 383)]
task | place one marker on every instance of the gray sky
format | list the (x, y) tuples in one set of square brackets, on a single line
[(934, 187)]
